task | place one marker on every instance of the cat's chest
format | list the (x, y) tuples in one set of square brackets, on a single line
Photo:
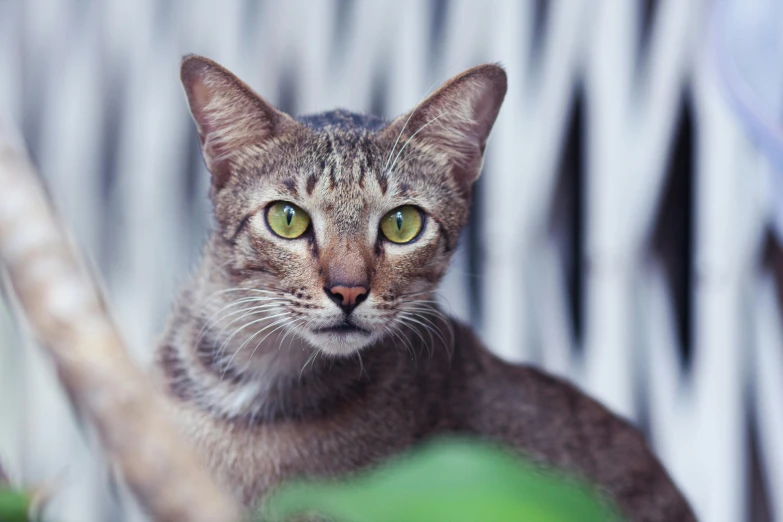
[(250, 460)]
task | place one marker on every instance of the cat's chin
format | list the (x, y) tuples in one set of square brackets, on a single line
[(339, 343)]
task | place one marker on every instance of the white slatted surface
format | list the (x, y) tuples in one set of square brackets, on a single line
[(94, 86)]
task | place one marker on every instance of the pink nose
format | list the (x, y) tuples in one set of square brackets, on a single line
[(348, 295)]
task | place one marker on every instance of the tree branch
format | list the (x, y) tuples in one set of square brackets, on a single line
[(66, 312)]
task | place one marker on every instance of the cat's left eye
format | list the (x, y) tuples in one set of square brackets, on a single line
[(403, 224), (287, 220)]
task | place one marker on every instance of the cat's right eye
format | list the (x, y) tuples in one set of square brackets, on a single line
[(287, 220)]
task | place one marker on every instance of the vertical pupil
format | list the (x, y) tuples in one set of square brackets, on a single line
[(289, 215), (399, 220)]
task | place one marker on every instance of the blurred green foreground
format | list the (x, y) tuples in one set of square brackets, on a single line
[(445, 481)]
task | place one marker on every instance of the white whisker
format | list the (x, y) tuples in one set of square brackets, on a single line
[(433, 120), (406, 321), (279, 327), (213, 318), (408, 119), (312, 358), (393, 329), (235, 332), (361, 364), (231, 359), (237, 319), (425, 312)]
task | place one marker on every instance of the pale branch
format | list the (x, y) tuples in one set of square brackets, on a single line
[(66, 312)]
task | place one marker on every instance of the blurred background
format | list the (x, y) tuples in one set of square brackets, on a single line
[(626, 231)]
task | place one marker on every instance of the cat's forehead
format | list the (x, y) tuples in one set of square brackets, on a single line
[(344, 157), (342, 121), (334, 169), (345, 178)]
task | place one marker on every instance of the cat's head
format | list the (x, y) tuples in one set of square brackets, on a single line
[(343, 224)]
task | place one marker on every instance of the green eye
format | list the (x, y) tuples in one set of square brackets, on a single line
[(402, 224), (287, 220)]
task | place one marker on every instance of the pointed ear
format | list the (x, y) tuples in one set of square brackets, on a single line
[(454, 122), (233, 122)]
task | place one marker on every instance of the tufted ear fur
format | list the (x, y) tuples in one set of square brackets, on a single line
[(233, 122), (454, 122)]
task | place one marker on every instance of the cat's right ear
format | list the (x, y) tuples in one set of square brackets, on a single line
[(233, 122)]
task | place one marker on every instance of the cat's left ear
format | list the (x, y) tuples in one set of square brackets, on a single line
[(454, 122), (233, 122)]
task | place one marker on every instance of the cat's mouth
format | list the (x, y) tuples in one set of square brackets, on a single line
[(344, 328), (341, 338)]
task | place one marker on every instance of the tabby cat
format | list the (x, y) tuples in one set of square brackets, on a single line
[(309, 342)]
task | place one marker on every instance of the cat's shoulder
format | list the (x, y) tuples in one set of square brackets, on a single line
[(495, 379)]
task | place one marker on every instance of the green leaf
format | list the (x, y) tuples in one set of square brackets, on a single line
[(448, 481), (13, 505)]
